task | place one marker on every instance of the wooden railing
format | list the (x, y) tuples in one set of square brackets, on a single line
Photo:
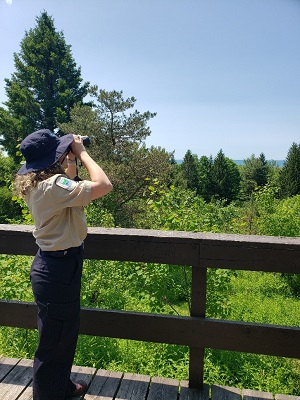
[(198, 250)]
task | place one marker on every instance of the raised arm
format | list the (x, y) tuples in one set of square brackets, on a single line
[(100, 183)]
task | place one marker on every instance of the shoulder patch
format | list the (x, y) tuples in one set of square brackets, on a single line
[(66, 183)]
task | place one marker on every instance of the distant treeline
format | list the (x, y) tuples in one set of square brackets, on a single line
[(279, 163)]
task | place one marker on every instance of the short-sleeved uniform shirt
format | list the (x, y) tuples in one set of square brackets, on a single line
[(56, 205)]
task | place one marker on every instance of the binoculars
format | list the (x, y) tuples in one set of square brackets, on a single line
[(86, 141)]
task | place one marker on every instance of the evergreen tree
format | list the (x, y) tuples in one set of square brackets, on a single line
[(254, 173), (226, 178), (119, 125), (205, 184), (9, 209), (117, 134), (45, 86), (290, 174), (262, 172), (190, 170)]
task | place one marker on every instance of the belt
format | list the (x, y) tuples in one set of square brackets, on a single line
[(63, 253)]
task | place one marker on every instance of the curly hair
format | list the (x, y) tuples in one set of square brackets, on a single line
[(24, 183)]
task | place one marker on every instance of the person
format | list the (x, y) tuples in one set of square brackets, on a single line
[(56, 201)]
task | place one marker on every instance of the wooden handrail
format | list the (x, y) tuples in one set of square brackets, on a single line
[(198, 250)]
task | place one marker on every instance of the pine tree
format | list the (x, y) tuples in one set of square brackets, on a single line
[(45, 86), (290, 174), (190, 170), (205, 184), (226, 178)]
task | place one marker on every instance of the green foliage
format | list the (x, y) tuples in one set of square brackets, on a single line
[(211, 179), (290, 174), (120, 127), (225, 177), (112, 125), (254, 173), (97, 215), (9, 211), (131, 356), (7, 169), (117, 134), (14, 278), (45, 86), (205, 185), (256, 372), (265, 298), (277, 217), (189, 168), (178, 209), (18, 342), (139, 286), (25, 217)]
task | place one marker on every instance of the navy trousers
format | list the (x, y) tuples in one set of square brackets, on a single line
[(56, 282)]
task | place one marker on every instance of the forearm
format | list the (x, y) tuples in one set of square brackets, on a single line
[(101, 184)]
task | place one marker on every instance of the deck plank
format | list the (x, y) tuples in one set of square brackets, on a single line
[(16, 384), (256, 395), (219, 392), (17, 380), (104, 386), (186, 393), (163, 388), (82, 373), (27, 394), (6, 365), (133, 387)]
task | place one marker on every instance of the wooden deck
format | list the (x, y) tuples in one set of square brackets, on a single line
[(16, 378)]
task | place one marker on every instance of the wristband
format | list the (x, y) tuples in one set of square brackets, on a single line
[(71, 161)]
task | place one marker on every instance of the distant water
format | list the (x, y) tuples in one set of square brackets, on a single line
[(241, 162), (278, 162)]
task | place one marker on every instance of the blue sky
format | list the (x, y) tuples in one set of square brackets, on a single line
[(221, 74)]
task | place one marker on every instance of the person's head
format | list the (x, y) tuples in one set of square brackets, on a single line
[(42, 149), (44, 154)]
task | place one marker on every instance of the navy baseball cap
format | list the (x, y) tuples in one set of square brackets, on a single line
[(42, 149)]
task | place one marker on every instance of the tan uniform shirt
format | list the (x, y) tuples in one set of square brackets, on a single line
[(56, 205)]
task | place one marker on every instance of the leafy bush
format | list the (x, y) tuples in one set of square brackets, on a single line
[(8, 210), (277, 217)]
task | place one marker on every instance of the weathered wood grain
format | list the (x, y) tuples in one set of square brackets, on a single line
[(27, 394), (187, 393), (208, 250), (189, 331), (163, 388), (219, 392), (133, 387), (104, 386), (6, 365), (256, 395), (110, 385), (286, 397), (16, 381)]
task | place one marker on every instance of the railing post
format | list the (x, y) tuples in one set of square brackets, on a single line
[(198, 307)]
